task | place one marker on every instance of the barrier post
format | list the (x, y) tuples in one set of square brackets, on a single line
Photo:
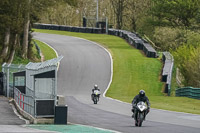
[(23, 102)]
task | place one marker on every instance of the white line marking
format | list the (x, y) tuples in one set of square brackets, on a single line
[(49, 46), (53, 50)]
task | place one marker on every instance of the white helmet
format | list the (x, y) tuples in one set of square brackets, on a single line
[(95, 86)]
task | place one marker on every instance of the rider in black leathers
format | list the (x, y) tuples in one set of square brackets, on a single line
[(140, 97)]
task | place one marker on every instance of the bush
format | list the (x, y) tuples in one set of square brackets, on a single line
[(193, 68), (168, 38), (187, 59)]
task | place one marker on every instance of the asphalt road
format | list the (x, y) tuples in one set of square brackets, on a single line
[(7, 116), (85, 64), (10, 122)]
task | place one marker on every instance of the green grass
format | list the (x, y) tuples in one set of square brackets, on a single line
[(47, 51), (35, 57), (133, 71), (36, 54), (19, 60)]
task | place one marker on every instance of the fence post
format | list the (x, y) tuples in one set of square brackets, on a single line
[(23, 102), (20, 100), (8, 71)]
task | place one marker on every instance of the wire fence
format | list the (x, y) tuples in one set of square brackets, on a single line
[(8, 70), (33, 86)]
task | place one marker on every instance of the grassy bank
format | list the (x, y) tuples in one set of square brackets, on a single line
[(47, 51), (133, 71)]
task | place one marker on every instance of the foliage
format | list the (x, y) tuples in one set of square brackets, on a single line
[(188, 61), (16, 17), (193, 38), (193, 69), (135, 14), (124, 14), (176, 12), (118, 8), (168, 38), (35, 57)]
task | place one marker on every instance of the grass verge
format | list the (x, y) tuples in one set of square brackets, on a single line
[(133, 71), (47, 51)]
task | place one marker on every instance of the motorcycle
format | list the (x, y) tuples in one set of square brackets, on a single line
[(95, 96), (141, 113)]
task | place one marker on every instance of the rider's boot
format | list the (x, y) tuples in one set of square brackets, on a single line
[(145, 113), (133, 115), (136, 124)]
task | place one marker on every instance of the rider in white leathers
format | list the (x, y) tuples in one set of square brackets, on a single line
[(94, 89)]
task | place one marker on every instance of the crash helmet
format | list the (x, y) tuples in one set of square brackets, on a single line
[(142, 93), (95, 86)]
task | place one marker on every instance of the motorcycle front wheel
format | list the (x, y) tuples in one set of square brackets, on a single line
[(95, 100), (140, 119)]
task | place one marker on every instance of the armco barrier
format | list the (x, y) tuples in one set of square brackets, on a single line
[(69, 28), (136, 41), (168, 61), (131, 38), (188, 92), (148, 50)]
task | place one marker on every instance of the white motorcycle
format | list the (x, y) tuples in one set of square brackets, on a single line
[(95, 96), (141, 113)]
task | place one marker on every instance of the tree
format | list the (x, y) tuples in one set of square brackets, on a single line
[(11, 23), (13, 16), (5, 27), (32, 10), (187, 59), (176, 13), (118, 8), (16, 29), (168, 38), (134, 12), (193, 69), (26, 29)]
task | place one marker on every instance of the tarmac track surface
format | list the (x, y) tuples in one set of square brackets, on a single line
[(10, 122), (85, 64)]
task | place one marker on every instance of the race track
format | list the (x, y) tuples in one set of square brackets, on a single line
[(85, 64)]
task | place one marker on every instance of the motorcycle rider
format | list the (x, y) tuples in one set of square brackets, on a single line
[(95, 88), (140, 97)]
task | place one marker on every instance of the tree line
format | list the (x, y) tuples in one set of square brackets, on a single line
[(171, 25), (16, 19)]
